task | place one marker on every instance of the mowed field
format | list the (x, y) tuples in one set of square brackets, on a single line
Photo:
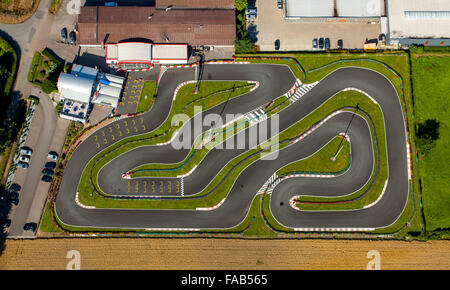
[(228, 254), (431, 84)]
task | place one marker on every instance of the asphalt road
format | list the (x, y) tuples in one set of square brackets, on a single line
[(275, 81)]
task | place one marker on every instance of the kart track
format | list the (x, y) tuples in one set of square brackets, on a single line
[(274, 81)]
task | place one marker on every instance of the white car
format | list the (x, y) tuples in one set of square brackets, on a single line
[(24, 158), (52, 155), (26, 151)]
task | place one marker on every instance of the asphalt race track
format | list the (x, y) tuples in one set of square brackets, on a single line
[(274, 80)]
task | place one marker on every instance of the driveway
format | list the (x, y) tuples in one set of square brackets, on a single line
[(47, 132)]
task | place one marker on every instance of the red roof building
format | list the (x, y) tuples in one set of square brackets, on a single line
[(193, 4), (97, 25)]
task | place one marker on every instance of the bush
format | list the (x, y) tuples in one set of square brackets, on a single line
[(240, 4), (48, 86), (427, 133), (34, 99)]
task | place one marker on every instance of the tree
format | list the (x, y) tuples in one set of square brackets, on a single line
[(240, 4), (427, 133)]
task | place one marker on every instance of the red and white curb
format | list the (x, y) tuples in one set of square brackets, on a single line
[(189, 173), (334, 229), (207, 62), (77, 201), (362, 92), (170, 141), (379, 197), (172, 229), (211, 208), (139, 69), (126, 175), (179, 87), (256, 85), (408, 152)]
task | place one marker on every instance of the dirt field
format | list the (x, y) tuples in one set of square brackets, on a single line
[(223, 254), (17, 11)]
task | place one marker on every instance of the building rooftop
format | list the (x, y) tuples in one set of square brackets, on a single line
[(335, 8), (419, 19), (195, 3), (195, 27)]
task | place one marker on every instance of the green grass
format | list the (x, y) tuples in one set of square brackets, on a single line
[(321, 160), (431, 79), (146, 99)]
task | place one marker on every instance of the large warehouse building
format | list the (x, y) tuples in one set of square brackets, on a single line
[(101, 25), (334, 8), (419, 22)]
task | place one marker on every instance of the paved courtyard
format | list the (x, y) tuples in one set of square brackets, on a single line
[(270, 25)]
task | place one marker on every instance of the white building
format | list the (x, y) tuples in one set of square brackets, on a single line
[(83, 86), (419, 22), (334, 8), (142, 55)]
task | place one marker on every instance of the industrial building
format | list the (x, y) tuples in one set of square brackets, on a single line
[(102, 25), (143, 55), (418, 22), (83, 86), (334, 8), (195, 4)]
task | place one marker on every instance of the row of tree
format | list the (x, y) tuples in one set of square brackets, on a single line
[(243, 42)]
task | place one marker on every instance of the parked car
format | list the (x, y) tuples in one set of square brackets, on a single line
[(64, 34), (52, 155), (251, 16), (50, 165), (22, 165), (46, 178), (277, 44), (24, 158), (30, 227), (315, 43), (15, 187), (321, 43), (14, 201), (249, 11), (47, 172), (280, 4), (13, 195), (327, 43), (340, 44), (26, 150), (5, 223), (72, 37)]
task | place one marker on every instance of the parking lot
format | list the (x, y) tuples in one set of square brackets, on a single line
[(47, 133), (108, 135), (130, 96), (293, 35)]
